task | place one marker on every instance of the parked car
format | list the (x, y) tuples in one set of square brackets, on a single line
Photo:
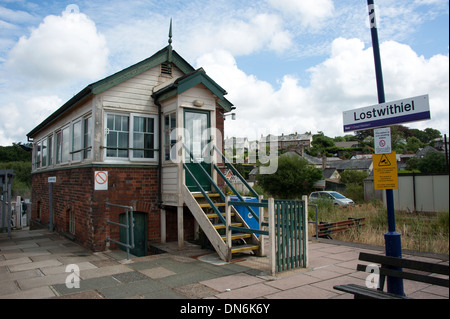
[(337, 198)]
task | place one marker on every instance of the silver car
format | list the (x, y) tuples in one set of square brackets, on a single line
[(337, 198)]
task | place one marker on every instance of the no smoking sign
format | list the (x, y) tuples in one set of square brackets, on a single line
[(101, 180), (382, 141)]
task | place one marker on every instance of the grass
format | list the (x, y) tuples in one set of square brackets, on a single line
[(426, 232)]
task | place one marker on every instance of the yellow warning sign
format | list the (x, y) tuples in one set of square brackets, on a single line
[(385, 171)]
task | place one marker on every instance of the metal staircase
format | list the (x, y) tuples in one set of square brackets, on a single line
[(209, 210)]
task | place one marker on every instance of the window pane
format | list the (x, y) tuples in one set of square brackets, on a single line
[(170, 136), (138, 142), (143, 137), (150, 144), (58, 148), (76, 141), (38, 155), (111, 141), (123, 143), (44, 153), (87, 137), (50, 150), (110, 121), (117, 136), (65, 145)]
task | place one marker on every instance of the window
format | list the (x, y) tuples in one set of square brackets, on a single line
[(58, 147), (50, 150), (170, 124), (117, 135), (44, 152), (76, 141), (65, 144), (87, 137), (143, 137), (131, 136), (37, 157)]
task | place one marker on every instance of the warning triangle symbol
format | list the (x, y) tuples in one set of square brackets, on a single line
[(384, 161)]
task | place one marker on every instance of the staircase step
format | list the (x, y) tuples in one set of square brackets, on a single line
[(206, 205), (200, 195), (237, 236), (214, 215), (239, 249), (222, 226)]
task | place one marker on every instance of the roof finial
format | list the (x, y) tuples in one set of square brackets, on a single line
[(169, 58), (170, 32)]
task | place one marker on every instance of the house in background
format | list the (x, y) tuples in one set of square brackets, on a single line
[(129, 140)]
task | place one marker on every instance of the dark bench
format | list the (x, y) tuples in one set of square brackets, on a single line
[(327, 229), (403, 268)]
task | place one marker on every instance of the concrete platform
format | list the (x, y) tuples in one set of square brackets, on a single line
[(33, 266)]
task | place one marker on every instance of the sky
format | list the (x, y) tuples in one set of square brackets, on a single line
[(288, 65)]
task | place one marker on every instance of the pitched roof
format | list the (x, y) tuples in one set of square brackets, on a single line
[(164, 55), (190, 80)]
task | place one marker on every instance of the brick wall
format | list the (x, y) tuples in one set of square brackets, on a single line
[(74, 192)]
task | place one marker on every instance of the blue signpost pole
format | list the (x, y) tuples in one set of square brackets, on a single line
[(392, 238)]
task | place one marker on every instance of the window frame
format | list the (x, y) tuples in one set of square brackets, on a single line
[(131, 143), (76, 155), (170, 137), (154, 133)]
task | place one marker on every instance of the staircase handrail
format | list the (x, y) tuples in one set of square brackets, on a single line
[(236, 172)]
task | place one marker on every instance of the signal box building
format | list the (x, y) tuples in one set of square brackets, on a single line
[(115, 142)]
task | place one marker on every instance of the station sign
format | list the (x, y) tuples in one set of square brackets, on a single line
[(396, 112)]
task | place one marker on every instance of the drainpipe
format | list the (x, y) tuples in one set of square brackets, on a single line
[(160, 205)]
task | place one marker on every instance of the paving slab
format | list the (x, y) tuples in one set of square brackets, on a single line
[(187, 278), (36, 293), (34, 265), (86, 285), (303, 292), (141, 287), (196, 291), (91, 294), (292, 281), (231, 282), (157, 272), (249, 292), (44, 281), (104, 271)]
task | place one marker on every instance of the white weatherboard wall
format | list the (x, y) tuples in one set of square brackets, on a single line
[(430, 191)]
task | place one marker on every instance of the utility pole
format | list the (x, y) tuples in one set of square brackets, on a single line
[(392, 238)]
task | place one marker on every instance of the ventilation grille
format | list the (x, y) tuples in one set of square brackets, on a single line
[(166, 68)]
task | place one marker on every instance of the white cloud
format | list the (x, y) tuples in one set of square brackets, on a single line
[(22, 114), (61, 49), (310, 13), (344, 81), (239, 37), (58, 55)]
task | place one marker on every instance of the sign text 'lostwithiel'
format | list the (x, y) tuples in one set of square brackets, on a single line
[(385, 114)]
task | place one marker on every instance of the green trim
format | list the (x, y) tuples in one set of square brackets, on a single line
[(115, 79), (106, 165), (187, 82), (158, 58)]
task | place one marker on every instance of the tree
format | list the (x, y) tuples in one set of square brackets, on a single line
[(433, 162), (293, 178), (413, 144), (350, 176)]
